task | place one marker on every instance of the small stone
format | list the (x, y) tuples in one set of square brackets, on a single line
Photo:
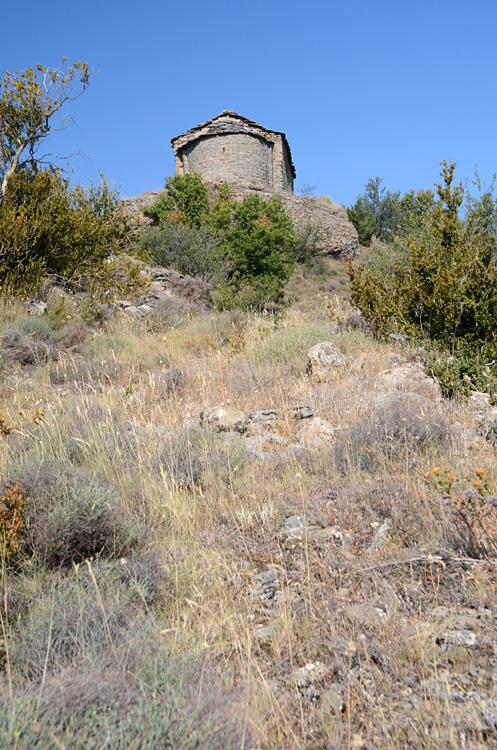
[(458, 638), (331, 702), (263, 634), (37, 308), (223, 418), (311, 673), (302, 411), (365, 614)]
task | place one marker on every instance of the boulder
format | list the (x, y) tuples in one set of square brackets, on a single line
[(411, 377), (322, 361)]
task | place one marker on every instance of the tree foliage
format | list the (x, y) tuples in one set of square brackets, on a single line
[(30, 101), (186, 200), (248, 247), (443, 287), (48, 227), (382, 214)]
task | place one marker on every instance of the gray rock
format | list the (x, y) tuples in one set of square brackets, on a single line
[(458, 638), (331, 701), (380, 537), (316, 432), (309, 674), (170, 380), (223, 418), (296, 533), (37, 308), (302, 411), (322, 361), (365, 614)]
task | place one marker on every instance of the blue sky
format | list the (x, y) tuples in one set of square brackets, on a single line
[(361, 89)]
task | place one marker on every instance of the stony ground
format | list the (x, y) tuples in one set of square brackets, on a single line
[(317, 526)]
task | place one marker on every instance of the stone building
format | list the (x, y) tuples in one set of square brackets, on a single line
[(232, 148)]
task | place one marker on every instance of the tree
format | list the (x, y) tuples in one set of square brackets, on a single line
[(48, 227), (443, 289), (260, 246), (385, 215), (187, 199), (30, 101)]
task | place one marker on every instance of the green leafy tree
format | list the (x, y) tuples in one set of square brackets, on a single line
[(48, 227), (187, 199), (31, 101), (444, 288), (385, 215), (247, 248), (261, 248)]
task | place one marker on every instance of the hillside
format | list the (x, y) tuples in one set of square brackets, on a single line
[(227, 544)]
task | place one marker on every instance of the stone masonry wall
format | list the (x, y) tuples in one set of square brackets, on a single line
[(234, 157), (230, 147)]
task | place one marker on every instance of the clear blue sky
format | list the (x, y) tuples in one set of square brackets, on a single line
[(362, 88)]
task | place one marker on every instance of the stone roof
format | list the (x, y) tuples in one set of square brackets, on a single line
[(213, 126)]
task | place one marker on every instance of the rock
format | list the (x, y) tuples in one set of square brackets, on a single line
[(223, 418), (322, 361), (457, 638), (331, 701), (170, 380), (302, 411), (266, 584), (37, 308), (316, 432), (487, 427), (296, 532), (365, 614), (311, 673), (380, 537), (132, 311), (411, 377), (263, 634), (263, 419)]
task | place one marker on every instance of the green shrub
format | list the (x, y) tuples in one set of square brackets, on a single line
[(188, 248), (442, 287), (384, 215), (260, 247), (186, 200), (90, 670), (48, 228), (71, 516), (248, 247)]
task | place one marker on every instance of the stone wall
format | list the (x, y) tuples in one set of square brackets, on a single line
[(232, 148), (235, 157)]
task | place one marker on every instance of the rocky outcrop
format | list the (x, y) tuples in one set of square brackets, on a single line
[(338, 237)]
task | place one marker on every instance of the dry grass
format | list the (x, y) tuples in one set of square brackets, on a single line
[(186, 552)]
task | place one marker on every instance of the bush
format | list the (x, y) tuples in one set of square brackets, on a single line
[(186, 200), (443, 287), (384, 215), (71, 516), (248, 248), (48, 228), (188, 248), (394, 430), (260, 247), (90, 669)]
